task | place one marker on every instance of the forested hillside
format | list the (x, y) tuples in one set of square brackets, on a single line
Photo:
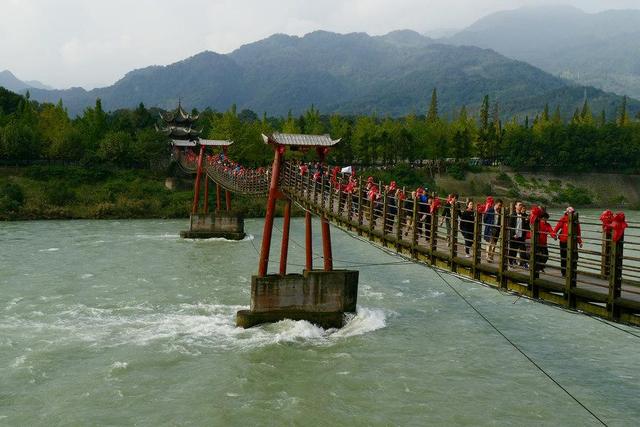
[(601, 49), (348, 74)]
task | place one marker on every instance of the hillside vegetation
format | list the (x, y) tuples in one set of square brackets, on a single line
[(601, 49)]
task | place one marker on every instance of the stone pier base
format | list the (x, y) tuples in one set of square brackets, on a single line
[(215, 225), (320, 297)]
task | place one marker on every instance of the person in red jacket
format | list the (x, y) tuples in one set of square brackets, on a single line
[(542, 251), (562, 231)]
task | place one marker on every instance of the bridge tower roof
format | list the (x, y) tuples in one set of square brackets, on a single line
[(297, 140)]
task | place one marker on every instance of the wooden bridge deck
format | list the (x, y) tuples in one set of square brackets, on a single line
[(588, 289)]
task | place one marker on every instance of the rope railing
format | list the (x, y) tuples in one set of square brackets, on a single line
[(228, 174), (579, 259)]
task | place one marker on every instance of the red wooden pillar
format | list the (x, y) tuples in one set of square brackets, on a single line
[(218, 202), (285, 238), (206, 195), (326, 244), (271, 206), (196, 196), (227, 196), (308, 242)]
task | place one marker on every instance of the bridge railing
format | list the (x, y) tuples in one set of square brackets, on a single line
[(186, 160), (250, 182), (599, 276), (228, 174)]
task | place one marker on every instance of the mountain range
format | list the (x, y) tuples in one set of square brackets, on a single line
[(392, 74), (599, 49), (12, 83)]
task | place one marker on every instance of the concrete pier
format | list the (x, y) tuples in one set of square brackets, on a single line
[(320, 297), (207, 226)]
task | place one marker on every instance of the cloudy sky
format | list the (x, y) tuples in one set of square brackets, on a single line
[(93, 43)]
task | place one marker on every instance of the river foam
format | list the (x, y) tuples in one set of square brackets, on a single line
[(186, 328)]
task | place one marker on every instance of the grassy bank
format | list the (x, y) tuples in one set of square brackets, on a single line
[(70, 192)]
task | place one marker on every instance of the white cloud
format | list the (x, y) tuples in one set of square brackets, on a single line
[(93, 43)]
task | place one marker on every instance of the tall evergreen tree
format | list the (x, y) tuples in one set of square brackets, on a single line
[(290, 125), (432, 114), (557, 116), (623, 118), (603, 118), (484, 114), (585, 115), (576, 117), (545, 113)]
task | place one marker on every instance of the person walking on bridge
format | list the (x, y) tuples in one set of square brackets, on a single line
[(518, 227), (492, 219), (392, 206), (542, 250), (467, 220), (452, 199), (562, 231)]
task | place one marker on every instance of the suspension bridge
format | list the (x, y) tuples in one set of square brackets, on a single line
[(601, 276)]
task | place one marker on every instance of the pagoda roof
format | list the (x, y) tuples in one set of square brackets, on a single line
[(183, 143), (215, 142), (300, 140), (178, 116), (181, 132)]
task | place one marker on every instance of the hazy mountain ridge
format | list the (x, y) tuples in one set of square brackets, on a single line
[(601, 49), (9, 81), (351, 73)]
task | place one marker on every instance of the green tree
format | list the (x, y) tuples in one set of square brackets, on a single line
[(557, 116), (545, 114), (290, 125), (114, 147), (585, 115), (11, 198), (483, 136), (623, 117), (432, 114)]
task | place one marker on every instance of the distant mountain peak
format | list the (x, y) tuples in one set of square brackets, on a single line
[(593, 49), (8, 80)]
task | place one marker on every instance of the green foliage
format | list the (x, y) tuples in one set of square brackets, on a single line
[(59, 193), (555, 185), (49, 192), (520, 180), (504, 180), (11, 198), (577, 196), (457, 171), (127, 138), (403, 174)]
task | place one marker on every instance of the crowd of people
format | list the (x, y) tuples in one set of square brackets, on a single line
[(399, 212), (224, 164), (395, 206)]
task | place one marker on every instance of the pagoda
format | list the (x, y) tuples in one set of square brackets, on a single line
[(179, 126)]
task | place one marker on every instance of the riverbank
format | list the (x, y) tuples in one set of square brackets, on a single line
[(73, 192), (586, 190), (554, 190)]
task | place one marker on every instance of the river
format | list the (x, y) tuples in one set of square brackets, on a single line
[(123, 323)]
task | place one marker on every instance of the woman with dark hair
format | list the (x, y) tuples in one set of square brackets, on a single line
[(467, 219)]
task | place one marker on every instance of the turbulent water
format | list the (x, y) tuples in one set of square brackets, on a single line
[(123, 323)]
